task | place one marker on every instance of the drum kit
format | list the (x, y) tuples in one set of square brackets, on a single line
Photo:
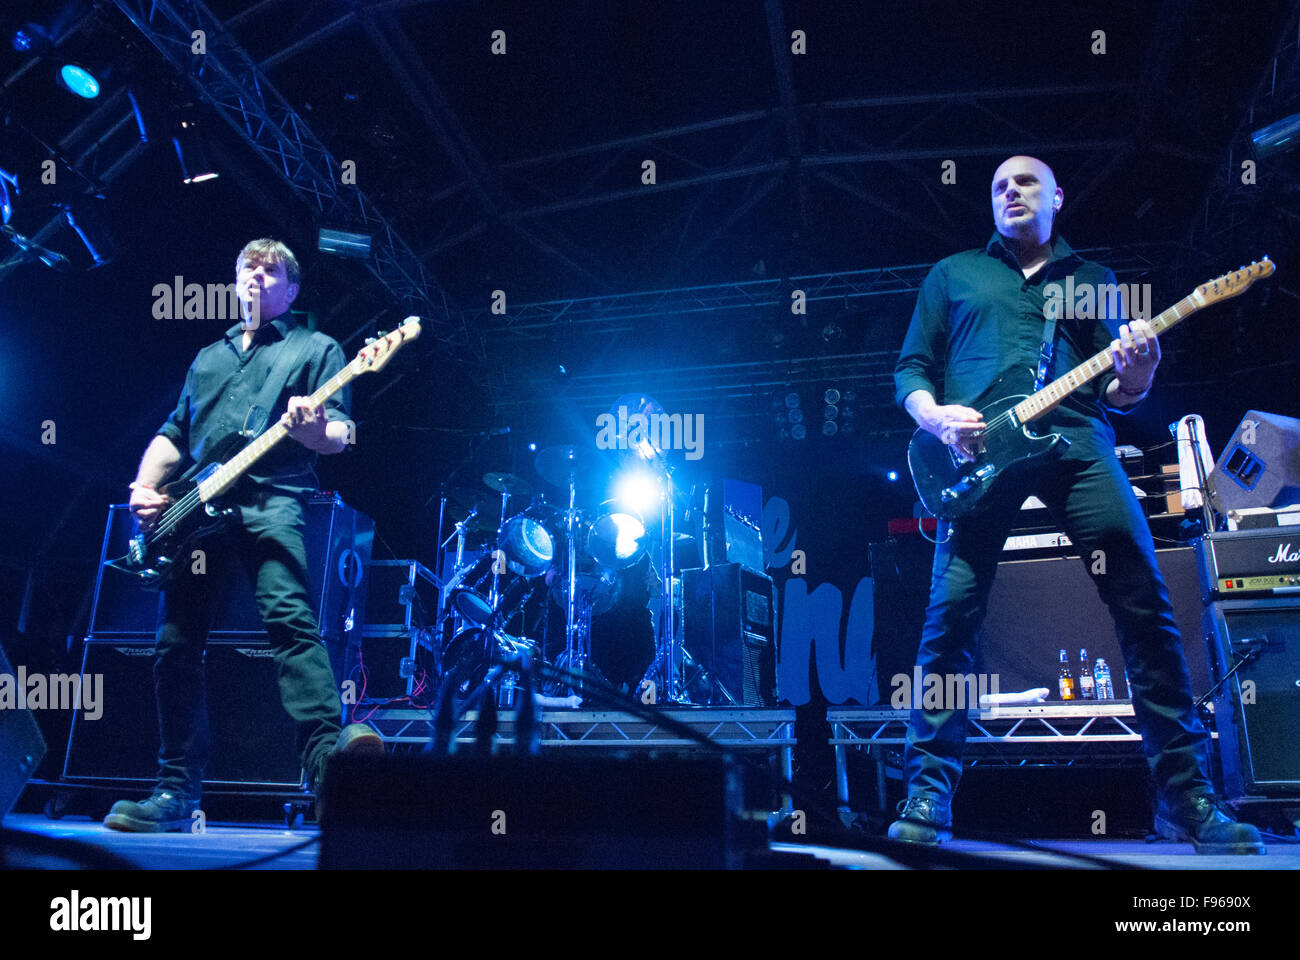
[(517, 550)]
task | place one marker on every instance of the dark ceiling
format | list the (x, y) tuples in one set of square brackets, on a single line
[(522, 172)]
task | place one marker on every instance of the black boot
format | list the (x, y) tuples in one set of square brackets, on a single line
[(161, 812), (1200, 819), (923, 819)]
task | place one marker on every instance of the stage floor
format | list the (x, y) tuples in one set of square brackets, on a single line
[(226, 845)]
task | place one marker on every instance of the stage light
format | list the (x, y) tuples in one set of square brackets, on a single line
[(341, 243), (792, 400), (830, 428), (893, 474), (796, 415), (196, 165), (1276, 137), (78, 80), (798, 431), (23, 41), (637, 491), (831, 396), (532, 448)]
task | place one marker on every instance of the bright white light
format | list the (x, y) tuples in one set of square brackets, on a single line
[(637, 491)]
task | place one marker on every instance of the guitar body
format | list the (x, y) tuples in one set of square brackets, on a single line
[(152, 557), (950, 487)]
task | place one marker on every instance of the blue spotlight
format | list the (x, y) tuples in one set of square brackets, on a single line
[(77, 79), (893, 474), (532, 448), (637, 491), (23, 41)]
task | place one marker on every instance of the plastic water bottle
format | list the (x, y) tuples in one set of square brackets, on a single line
[(1101, 678)]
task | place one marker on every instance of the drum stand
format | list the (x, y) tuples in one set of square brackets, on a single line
[(665, 673), (574, 659)]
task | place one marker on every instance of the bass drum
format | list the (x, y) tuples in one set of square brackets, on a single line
[(615, 539)]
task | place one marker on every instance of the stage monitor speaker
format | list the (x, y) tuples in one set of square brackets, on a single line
[(729, 627), (560, 810), (1258, 709), (253, 740), (22, 748), (1260, 466), (1037, 607), (338, 541)]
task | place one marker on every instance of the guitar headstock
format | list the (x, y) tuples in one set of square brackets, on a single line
[(1234, 283), (379, 351)]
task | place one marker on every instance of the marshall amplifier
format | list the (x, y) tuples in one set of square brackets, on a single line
[(729, 625), (253, 739), (338, 541), (1257, 710), (1250, 562)]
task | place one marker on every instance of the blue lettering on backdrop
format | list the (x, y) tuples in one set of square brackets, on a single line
[(810, 626)]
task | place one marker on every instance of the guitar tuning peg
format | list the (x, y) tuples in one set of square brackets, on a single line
[(369, 341)]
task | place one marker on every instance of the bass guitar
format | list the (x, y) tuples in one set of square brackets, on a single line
[(950, 484), (195, 508)]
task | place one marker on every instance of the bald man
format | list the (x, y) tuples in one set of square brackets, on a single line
[(979, 315)]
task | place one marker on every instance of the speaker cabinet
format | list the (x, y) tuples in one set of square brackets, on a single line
[(253, 739), (1037, 607), (1030, 605), (338, 541), (729, 627), (576, 810), (1260, 466), (1258, 708), (22, 748)]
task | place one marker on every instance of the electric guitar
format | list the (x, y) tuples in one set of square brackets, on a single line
[(195, 508), (950, 485)]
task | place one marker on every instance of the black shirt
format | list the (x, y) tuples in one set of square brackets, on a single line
[(220, 388), (978, 317)]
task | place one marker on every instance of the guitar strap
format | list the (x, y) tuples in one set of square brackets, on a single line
[(1045, 354), (291, 356)]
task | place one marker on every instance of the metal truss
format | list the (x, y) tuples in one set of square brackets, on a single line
[(1056, 734), (97, 150), (1231, 212), (756, 728), (610, 314), (227, 78), (1071, 734)]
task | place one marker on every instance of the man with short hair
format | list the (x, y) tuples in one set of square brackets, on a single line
[(979, 315), (216, 408)]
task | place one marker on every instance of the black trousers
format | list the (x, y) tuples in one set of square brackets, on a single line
[(1095, 506), (273, 554)]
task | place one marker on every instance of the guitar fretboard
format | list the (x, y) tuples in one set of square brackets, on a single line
[(1048, 398)]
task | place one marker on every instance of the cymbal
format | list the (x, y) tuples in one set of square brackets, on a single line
[(507, 483), (557, 464), (469, 497)]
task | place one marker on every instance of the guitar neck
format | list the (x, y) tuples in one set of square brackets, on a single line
[(230, 471), (1048, 398)]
